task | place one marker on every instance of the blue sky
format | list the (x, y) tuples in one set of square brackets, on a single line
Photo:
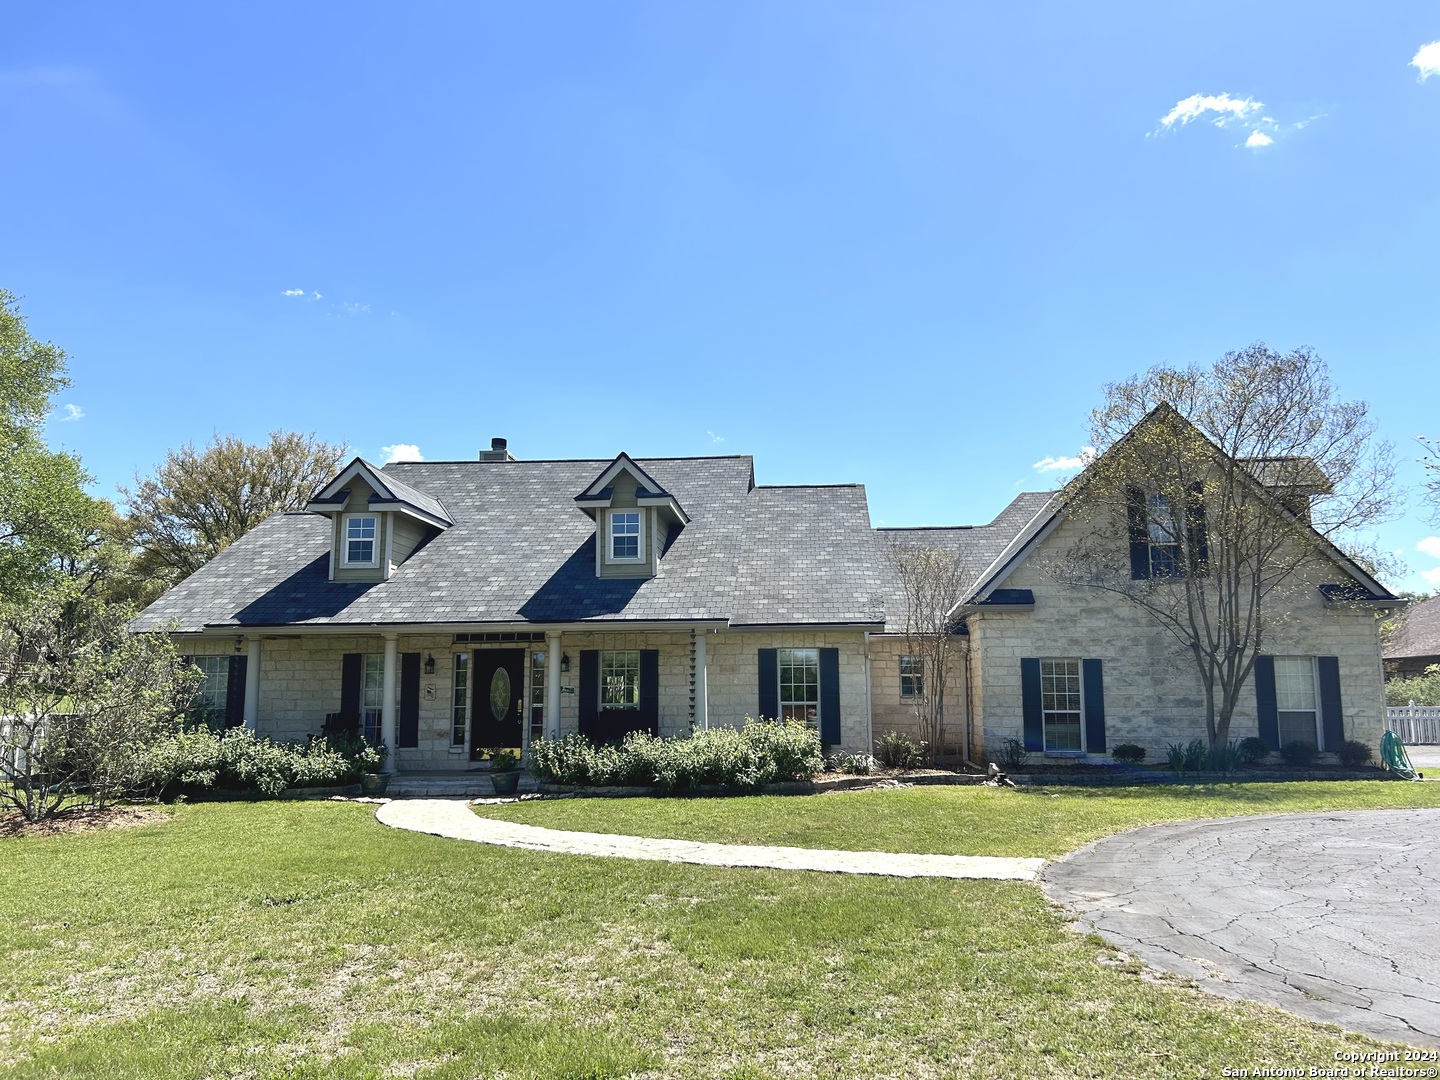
[(901, 244)]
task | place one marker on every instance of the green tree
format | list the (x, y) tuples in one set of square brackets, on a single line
[(198, 503), (44, 511), (1212, 500)]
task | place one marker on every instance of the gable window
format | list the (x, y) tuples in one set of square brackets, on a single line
[(1295, 699), (620, 679), (1060, 703), (625, 536), (1160, 531), (912, 678), (1167, 540), (360, 540), (799, 671), (210, 697)]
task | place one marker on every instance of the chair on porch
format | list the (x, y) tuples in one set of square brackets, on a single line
[(343, 724)]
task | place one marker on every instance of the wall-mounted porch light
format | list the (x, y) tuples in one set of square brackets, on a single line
[(430, 664), (564, 661)]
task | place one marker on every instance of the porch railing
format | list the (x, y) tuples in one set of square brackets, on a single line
[(1417, 725)]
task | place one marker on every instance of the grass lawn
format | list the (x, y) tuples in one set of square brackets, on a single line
[(955, 820), (306, 940)]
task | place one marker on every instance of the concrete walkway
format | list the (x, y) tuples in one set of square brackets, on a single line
[(1335, 916), (454, 819)]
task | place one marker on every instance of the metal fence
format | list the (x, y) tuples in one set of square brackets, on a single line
[(1417, 725)]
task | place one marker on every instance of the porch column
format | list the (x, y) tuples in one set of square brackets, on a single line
[(702, 683), (387, 700), (552, 684), (252, 682)]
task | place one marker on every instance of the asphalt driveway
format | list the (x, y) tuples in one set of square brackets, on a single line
[(1334, 916)]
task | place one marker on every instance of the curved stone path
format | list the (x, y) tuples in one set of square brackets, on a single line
[(453, 818), (1335, 916)]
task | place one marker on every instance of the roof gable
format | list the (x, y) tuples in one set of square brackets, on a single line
[(388, 493)]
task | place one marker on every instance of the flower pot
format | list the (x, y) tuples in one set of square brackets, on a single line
[(505, 783), (374, 783)]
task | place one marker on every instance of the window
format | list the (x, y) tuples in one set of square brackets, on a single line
[(1161, 534), (537, 693), (1060, 704), (799, 684), (625, 537), (372, 695), (620, 680), (1295, 699), (210, 697), (912, 677), (460, 700), (360, 538)]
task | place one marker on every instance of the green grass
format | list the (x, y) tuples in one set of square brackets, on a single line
[(305, 940), (954, 820)]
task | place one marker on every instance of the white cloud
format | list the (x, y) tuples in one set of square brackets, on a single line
[(1227, 109), (316, 296), (401, 452), (1066, 464), (293, 292), (71, 412), (715, 438), (350, 308), (1258, 139), (1432, 577), (1427, 61), (1429, 546)]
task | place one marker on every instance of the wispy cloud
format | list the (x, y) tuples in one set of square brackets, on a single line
[(715, 438), (1258, 139), (401, 452), (299, 294), (293, 292), (67, 413), (1429, 546), (351, 308), (1427, 61), (1226, 110), (1066, 464)]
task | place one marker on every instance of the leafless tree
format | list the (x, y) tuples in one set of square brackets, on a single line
[(933, 582), (1215, 489)]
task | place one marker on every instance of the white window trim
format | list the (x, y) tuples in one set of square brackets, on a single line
[(345, 560), (1316, 711), (780, 703), (639, 663), (916, 674), (610, 556), (1044, 734)]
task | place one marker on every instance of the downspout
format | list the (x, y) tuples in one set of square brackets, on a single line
[(869, 702), (969, 707)]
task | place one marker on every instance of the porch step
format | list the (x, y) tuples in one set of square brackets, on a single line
[(461, 787)]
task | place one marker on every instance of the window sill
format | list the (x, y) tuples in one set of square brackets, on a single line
[(455, 749)]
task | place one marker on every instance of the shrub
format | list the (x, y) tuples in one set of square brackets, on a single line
[(1253, 751), (1175, 758), (760, 753), (1422, 689), (1128, 753), (1299, 753), (1195, 754), (1224, 759), (1353, 753), (853, 764), (238, 760), (896, 750), (1012, 753)]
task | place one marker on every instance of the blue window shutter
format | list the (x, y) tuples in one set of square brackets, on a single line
[(650, 689), (1139, 535), (407, 731), (1030, 702), (1195, 531), (1266, 706), (1094, 707), (769, 685), (235, 691), (352, 676), (589, 691), (1332, 720), (830, 696)]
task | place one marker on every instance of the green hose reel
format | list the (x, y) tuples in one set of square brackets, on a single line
[(1394, 758)]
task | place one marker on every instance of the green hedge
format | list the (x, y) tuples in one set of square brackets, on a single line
[(202, 759), (760, 753), (1421, 689)]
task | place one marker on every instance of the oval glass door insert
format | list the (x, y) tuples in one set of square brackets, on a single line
[(500, 694)]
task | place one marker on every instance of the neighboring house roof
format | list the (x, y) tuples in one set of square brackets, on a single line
[(1418, 634), (520, 550), (1287, 472)]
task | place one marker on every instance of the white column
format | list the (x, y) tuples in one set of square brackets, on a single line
[(252, 682), (387, 700), (552, 684), (702, 683)]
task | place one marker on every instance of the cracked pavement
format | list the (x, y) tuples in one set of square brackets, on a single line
[(1334, 916)]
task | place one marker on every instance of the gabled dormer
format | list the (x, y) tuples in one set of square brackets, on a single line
[(377, 521), (635, 519)]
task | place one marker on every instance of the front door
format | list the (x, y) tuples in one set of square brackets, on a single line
[(499, 700)]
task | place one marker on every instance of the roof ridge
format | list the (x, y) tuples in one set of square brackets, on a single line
[(570, 461), (769, 487)]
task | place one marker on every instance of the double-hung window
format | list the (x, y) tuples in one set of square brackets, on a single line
[(625, 536), (361, 541), (1060, 704), (799, 671), (620, 679), (1295, 699), (1160, 528), (211, 695), (912, 678)]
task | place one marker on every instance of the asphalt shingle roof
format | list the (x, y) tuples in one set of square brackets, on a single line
[(1418, 633)]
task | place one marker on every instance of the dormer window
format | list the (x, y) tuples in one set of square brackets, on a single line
[(360, 547), (624, 536)]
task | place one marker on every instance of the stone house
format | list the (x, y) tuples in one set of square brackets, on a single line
[(451, 607)]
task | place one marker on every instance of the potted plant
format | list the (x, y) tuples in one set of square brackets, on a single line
[(504, 771), (370, 759)]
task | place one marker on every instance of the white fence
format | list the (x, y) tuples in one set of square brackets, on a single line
[(1417, 725)]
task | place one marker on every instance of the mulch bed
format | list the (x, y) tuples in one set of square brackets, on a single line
[(12, 824)]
